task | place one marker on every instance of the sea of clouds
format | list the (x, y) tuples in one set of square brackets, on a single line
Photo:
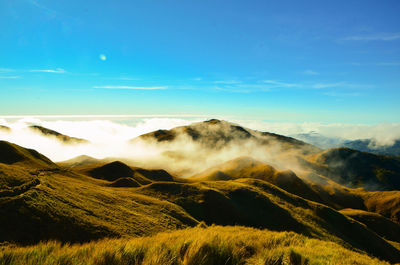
[(108, 136)]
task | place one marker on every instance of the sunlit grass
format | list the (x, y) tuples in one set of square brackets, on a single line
[(212, 245)]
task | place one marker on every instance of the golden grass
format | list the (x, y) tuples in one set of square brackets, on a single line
[(212, 245)]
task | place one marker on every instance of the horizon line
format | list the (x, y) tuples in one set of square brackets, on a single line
[(104, 116)]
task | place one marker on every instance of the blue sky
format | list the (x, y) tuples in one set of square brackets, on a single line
[(317, 61)]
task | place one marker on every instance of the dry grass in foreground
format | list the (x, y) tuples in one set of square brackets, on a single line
[(194, 246)]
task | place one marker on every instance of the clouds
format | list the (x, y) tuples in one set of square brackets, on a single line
[(107, 138), (134, 87), (383, 133), (315, 85), (9, 77), (55, 71), (374, 37), (310, 72)]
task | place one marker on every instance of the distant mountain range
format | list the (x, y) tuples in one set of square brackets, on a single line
[(364, 145)]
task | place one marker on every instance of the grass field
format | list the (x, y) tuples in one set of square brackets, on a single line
[(213, 245)]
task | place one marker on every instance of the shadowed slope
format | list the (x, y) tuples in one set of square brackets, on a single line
[(112, 171), (358, 169), (386, 203), (15, 154), (376, 222)]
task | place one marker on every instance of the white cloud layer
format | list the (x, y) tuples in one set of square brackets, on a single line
[(109, 136)]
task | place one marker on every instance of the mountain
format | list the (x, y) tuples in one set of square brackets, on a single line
[(363, 145), (353, 168), (61, 137), (214, 139), (370, 145), (216, 134)]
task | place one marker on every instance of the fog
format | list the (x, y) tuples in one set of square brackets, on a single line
[(183, 156)]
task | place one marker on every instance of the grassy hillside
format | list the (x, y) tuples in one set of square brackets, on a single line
[(357, 169), (12, 154), (376, 222), (207, 246), (43, 201), (247, 167)]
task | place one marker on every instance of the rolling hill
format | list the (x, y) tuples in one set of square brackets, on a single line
[(86, 199), (79, 206), (353, 168)]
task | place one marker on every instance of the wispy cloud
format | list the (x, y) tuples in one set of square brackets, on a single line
[(310, 72), (327, 85), (6, 70), (320, 85), (55, 71), (341, 84), (9, 77), (227, 82), (374, 37), (125, 78), (388, 64), (48, 11), (133, 87), (341, 94), (274, 83)]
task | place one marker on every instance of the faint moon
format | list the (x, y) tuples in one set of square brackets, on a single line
[(102, 57)]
